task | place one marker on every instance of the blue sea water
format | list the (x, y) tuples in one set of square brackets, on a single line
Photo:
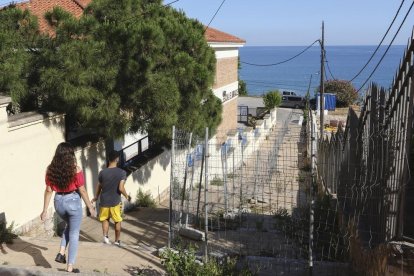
[(344, 62)]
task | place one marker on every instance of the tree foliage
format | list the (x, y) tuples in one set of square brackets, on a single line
[(272, 99), (346, 94), (127, 65), (18, 36), (243, 88)]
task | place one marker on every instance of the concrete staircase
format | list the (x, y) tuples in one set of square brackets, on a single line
[(144, 231)]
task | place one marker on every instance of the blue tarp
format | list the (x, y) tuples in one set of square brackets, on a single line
[(330, 101)]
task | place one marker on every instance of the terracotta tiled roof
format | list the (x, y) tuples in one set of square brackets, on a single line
[(40, 7), (83, 3), (76, 8), (214, 35)]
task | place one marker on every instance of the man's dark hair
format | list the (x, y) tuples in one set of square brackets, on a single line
[(113, 155)]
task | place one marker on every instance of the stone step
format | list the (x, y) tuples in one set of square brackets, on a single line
[(35, 254), (9, 270)]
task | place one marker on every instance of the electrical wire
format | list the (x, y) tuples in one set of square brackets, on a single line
[(382, 40), (214, 16), (281, 62), (389, 46), (326, 75), (329, 68)]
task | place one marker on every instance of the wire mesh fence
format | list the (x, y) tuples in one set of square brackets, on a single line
[(247, 193)]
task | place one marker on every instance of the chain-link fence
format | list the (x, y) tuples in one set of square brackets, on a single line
[(246, 193)]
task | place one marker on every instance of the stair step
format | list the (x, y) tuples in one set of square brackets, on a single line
[(8, 270)]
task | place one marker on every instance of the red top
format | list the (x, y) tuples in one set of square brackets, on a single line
[(78, 181)]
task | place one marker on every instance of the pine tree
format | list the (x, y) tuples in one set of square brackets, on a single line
[(18, 36), (128, 65)]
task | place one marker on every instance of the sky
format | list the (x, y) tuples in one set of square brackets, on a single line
[(298, 22)]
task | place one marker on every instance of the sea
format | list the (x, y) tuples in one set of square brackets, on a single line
[(343, 62)]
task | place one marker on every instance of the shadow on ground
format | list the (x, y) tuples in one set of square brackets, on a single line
[(34, 251)]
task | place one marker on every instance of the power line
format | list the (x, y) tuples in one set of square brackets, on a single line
[(325, 74), (382, 40), (389, 46), (284, 61), (208, 25), (329, 68)]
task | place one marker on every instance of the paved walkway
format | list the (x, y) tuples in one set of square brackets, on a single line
[(144, 231)]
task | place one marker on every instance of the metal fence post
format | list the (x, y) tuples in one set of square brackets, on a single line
[(207, 155), (171, 187), (224, 166), (312, 192), (256, 176), (183, 192)]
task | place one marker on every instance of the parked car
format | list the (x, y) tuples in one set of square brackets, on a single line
[(289, 93), (293, 102)]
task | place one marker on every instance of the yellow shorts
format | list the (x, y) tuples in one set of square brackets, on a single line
[(111, 212)]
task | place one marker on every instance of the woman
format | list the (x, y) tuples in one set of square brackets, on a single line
[(67, 180)]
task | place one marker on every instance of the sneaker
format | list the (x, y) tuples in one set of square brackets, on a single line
[(106, 240), (60, 258), (118, 243)]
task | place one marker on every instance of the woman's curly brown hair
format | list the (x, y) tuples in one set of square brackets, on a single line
[(62, 169)]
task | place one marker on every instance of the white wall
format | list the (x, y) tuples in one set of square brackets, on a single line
[(230, 88), (234, 158), (153, 177), (27, 145)]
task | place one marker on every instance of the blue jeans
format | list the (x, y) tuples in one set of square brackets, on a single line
[(69, 208)]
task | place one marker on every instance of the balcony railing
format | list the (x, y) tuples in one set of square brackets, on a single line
[(230, 95), (133, 150)]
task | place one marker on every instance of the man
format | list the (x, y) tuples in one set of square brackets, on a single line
[(110, 187)]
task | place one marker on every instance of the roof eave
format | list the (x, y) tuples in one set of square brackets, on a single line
[(224, 44)]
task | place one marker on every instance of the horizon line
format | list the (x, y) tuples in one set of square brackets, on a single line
[(335, 45)]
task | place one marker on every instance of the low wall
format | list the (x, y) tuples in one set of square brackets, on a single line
[(27, 145), (238, 149)]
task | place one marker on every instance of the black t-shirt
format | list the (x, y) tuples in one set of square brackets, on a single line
[(110, 179)]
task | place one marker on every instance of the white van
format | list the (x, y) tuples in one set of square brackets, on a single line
[(292, 102)]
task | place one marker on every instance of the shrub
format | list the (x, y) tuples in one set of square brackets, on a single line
[(243, 88), (7, 234), (144, 200), (184, 263), (346, 94), (216, 181), (272, 99)]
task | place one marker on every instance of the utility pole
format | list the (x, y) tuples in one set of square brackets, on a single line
[(322, 84)]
